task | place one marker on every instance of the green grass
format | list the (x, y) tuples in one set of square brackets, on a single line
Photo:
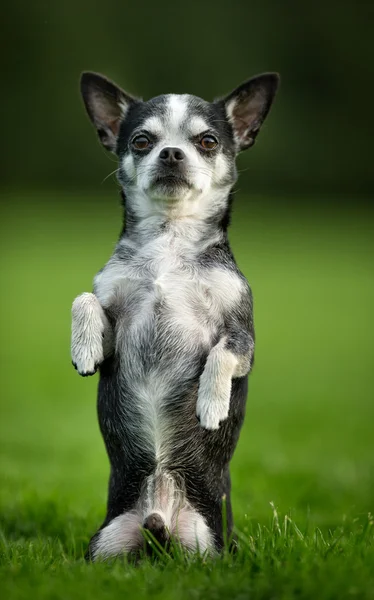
[(308, 441)]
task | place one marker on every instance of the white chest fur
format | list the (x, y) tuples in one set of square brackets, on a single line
[(165, 276)]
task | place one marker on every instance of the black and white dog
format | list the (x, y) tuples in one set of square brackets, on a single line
[(170, 319)]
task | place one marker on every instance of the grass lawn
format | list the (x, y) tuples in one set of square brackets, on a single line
[(308, 441)]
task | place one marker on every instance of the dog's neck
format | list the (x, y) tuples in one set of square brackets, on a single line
[(201, 228)]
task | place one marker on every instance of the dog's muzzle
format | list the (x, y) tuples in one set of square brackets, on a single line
[(171, 173)]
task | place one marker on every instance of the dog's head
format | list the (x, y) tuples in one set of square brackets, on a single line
[(177, 150)]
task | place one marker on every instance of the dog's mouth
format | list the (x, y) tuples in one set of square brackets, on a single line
[(171, 182)]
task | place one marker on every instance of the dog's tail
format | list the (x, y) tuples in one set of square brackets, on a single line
[(168, 516), (161, 501), (155, 524)]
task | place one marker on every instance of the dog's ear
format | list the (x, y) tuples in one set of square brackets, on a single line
[(247, 106), (106, 105)]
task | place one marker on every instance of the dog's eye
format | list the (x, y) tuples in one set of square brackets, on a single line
[(208, 142), (141, 142)]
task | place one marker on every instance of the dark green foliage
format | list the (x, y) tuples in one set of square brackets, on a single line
[(319, 133)]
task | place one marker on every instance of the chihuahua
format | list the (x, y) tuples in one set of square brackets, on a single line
[(170, 321)]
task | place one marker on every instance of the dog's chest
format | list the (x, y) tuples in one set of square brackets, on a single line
[(166, 304)]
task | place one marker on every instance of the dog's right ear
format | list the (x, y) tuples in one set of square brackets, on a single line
[(106, 105)]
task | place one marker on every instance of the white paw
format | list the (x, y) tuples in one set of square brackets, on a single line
[(213, 400), (87, 335), (87, 357), (213, 406)]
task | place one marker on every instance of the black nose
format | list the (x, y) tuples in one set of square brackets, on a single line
[(170, 156)]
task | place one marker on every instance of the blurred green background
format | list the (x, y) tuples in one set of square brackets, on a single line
[(303, 233)]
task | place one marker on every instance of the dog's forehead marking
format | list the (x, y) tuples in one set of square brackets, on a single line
[(176, 113), (169, 116)]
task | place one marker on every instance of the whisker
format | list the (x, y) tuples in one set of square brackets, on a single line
[(107, 177), (108, 155)]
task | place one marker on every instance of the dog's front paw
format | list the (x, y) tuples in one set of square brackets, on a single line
[(87, 351), (87, 356), (213, 407), (86, 366)]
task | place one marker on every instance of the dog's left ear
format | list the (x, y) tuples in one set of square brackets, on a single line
[(247, 106), (106, 105)]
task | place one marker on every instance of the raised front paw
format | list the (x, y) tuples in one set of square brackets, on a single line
[(87, 335), (86, 363), (213, 405)]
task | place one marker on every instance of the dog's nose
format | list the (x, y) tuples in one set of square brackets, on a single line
[(170, 156)]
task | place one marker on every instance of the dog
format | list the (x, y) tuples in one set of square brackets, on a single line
[(170, 321)]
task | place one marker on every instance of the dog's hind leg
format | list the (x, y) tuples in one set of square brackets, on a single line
[(91, 335), (122, 535), (191, 530)]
